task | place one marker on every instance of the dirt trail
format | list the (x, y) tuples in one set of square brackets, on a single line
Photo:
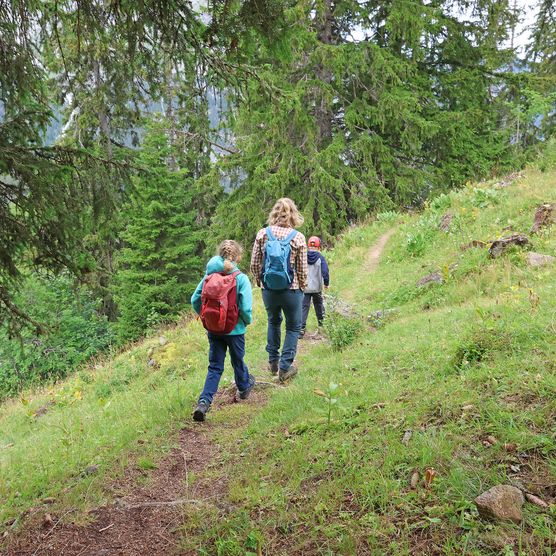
[(375, 252), (143, 520), (140, 522)]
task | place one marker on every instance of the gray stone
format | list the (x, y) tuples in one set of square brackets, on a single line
[(446, 222), (508, 180), (90, 470), (501, 503), (381, 314), (538, 259), (435, 277)]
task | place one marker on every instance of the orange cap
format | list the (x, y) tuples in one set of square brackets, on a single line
[(314, 241)]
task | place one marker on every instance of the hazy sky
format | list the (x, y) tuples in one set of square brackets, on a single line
[(529, 9)]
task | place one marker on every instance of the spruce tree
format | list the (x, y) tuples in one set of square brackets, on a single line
[(159, 265), (361, 107), (97, 66)]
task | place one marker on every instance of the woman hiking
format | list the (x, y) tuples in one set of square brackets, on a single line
[(224, 301), (279, 265)]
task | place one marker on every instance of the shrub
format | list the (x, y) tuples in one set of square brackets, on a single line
[(442, 202), (388, 216), (75, 333), (484, 197), (421, 234), (341, 331), (416, 244)]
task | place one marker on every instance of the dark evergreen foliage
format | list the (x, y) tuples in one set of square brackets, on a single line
[(159, 266), (414, 104), (75, 332)]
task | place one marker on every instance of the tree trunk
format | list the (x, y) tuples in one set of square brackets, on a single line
[(324, 21), (170, 114)]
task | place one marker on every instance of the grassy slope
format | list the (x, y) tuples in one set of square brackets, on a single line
[(457, 362), (118, 412)]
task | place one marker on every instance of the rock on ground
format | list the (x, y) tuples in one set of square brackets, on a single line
[(473, 243), (544, 216), (446, 222), (500, 245), (501, 503), (538, 259), (430, 278)]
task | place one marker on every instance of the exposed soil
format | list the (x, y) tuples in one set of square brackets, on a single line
[(375, 252), (143, 520)]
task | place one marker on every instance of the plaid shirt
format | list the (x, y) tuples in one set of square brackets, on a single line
[(298, 255)]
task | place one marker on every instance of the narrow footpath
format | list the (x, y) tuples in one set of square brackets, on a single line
[(145, 517)]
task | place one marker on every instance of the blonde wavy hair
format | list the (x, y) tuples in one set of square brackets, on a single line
[(231, 252), (285, 213)]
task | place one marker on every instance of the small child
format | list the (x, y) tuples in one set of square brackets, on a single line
[(318, 276), (223, 279)]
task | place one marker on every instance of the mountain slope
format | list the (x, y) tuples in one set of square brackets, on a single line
[(457, 378), (452, 367)]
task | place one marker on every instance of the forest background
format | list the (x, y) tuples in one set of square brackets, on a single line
[(134, 136)]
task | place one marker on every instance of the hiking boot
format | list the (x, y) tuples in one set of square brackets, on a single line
[(200, 411), (286, 375), (273, 365), (244, 394)]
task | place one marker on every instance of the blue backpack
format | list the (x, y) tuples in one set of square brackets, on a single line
[(277, 272)]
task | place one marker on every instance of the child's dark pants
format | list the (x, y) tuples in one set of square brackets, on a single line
[(217, 355), (318, 302)]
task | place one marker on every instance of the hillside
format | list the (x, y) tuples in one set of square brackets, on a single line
[(442, 391)]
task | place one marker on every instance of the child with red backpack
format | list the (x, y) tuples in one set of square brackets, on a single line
[(223, 299)]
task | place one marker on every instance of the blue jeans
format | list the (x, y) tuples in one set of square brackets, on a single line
[(289, 303), (217, 354)]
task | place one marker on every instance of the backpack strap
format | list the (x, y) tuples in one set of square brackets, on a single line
[(269, 234), (289, 237)]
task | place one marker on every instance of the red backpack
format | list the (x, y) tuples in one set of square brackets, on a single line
[(219, 310)]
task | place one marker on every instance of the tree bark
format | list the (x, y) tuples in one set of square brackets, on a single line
[(324, 21)]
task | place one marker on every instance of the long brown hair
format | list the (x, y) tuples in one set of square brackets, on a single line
[(285, 213), (231, 252)]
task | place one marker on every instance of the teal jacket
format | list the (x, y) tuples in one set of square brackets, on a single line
[(244, 295)]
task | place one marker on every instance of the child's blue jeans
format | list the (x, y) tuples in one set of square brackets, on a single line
[(217, 354)]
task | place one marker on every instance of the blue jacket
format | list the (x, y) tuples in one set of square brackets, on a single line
[(244, 295), (313, 257)]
